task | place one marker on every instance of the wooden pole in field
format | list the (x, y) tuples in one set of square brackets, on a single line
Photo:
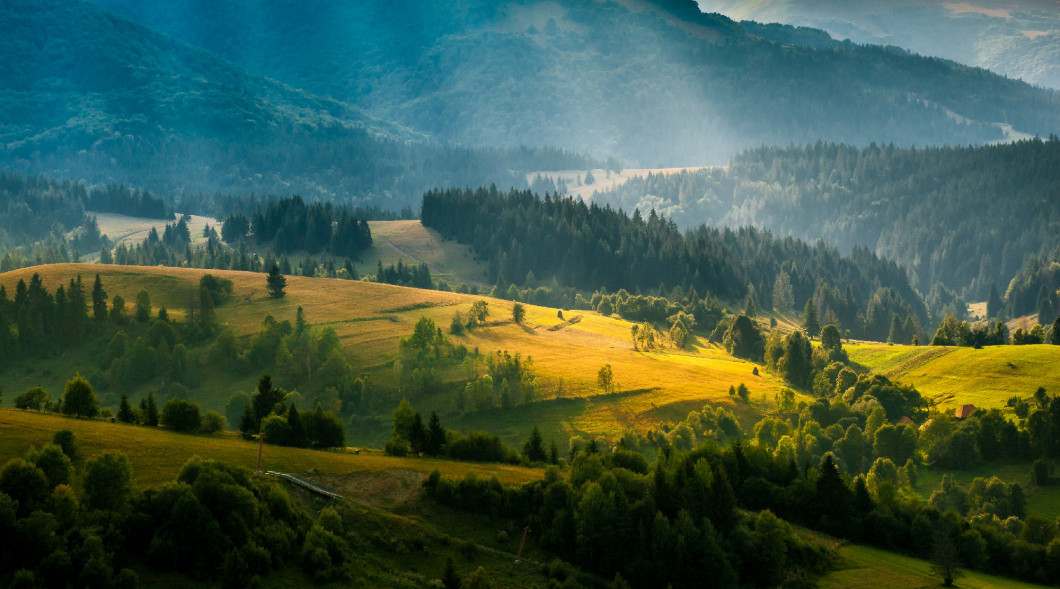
[(261, 448), (519, 556)]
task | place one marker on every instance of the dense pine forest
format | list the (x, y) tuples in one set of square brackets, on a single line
[(965, 217), (47, 221), (520, 235)]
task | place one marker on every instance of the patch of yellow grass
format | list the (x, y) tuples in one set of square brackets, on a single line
[(157, 454), (954, 376)]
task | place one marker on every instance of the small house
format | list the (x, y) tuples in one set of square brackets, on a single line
[(964, 411), (906, 421)]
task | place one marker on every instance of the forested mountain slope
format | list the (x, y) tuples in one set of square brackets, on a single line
[(85, 94), (965, 217), (525, 238), (655, 83)]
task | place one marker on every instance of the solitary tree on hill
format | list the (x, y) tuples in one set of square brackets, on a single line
[(605, 379), (275, 283), (810, 320), (79, 399)]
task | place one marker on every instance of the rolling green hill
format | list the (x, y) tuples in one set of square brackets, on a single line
[(655, 83)]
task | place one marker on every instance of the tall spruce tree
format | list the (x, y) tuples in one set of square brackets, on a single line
[(809, 319), (994, 305), (99, 301), (275, 283), (125, 413)]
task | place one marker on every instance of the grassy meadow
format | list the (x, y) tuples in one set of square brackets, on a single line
[(954, 376), (864, 567), (370, 319)]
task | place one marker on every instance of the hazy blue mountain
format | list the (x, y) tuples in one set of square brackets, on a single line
[(656, 83), (86, 94), (1017, 38)]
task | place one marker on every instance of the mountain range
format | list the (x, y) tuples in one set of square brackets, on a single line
[(360, 101), (1016, 38)]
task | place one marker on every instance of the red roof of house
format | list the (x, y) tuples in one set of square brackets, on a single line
[(964, 411), (905, 421)]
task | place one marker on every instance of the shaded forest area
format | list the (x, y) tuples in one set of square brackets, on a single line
[(965, 217), (521, 235)]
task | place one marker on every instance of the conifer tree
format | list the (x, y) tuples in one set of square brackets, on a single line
[(150, 410), (809, 319), (125, 413), (275, 283), (99, 301), (294, 421), (534, 449)]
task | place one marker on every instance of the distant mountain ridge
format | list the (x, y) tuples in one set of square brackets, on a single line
[(88, 95), (655, 83), (1016, 38)]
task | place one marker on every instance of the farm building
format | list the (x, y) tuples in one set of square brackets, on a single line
[(964, 411)]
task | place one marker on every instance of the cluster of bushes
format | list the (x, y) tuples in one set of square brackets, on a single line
[(418, 276), (412, 435), (215, 522), (270, 413), (675, 522), (952, 332)]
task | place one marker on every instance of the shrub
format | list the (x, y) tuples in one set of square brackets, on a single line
[(213, 422), (182, 415)]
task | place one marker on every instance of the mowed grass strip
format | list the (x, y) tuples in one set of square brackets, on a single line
[(157, 454), (953, 376), (866, 567)]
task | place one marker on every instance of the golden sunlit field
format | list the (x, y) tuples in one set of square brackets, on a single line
[(370, 319), (953, 376)]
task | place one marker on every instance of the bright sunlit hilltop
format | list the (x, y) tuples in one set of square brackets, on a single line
[(954, 376), (370, 319)]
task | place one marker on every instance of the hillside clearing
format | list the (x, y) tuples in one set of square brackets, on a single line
[(133, 230), (412, 243)]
